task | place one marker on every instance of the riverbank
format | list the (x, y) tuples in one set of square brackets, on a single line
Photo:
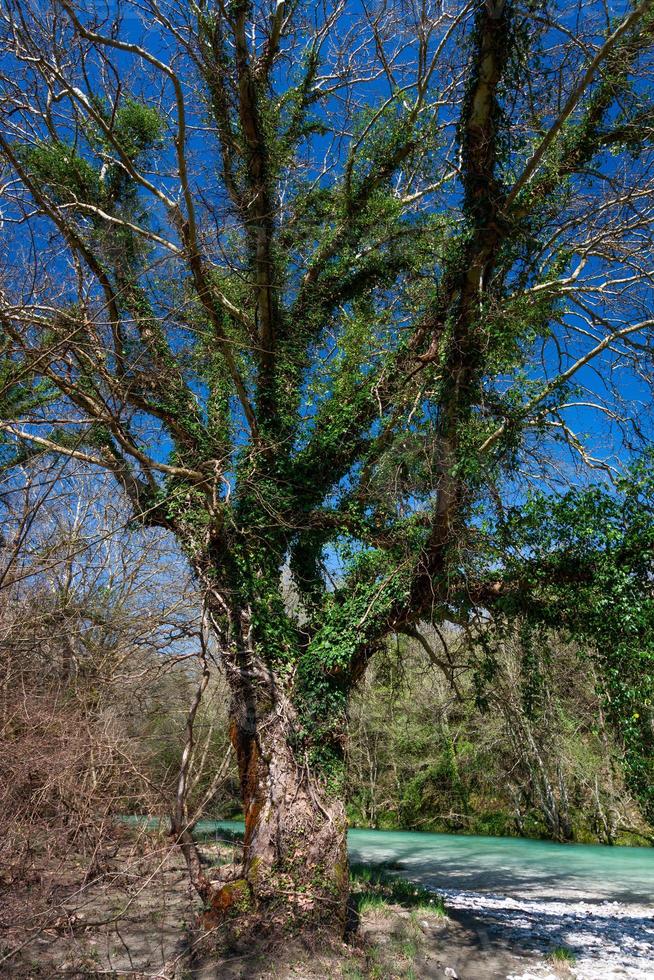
[(598, 941), (588, 907), (138, 919)]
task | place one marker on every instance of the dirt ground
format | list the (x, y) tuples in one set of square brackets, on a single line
[(138, 919)]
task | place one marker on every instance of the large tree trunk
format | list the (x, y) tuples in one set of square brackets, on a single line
[(294, 867)]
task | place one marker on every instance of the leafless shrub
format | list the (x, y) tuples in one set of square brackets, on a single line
[(99, 655)]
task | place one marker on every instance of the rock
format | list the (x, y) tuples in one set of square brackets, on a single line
[(449, 972)]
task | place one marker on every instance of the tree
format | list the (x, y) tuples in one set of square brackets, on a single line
[(324, 286), (434, 746)]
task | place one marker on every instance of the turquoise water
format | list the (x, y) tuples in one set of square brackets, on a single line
[(505, 865)]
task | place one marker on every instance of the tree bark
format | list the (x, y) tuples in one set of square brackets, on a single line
[(294, 867)]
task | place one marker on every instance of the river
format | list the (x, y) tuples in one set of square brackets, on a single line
[(510, 865)]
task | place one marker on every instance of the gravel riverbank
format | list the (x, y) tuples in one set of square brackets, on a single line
[(608, 940)]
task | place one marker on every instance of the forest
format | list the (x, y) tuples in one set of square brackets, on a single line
[(326, 487)]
